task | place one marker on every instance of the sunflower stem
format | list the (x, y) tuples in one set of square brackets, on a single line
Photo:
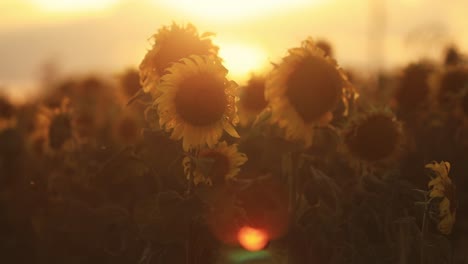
[(188, 242), (423, 235), (290, 171)]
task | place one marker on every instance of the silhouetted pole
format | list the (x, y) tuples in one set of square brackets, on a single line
[(377, 33)]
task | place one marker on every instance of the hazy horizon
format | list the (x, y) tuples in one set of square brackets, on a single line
[(111, 39)]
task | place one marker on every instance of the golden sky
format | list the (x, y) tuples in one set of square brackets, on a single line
[(110, 35)]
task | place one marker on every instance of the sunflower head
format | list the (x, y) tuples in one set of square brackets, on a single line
[(129, 82), (214, 166), (252, 99), (413, 89), (452, 83), (171, 44), (304, 89), (53, 129), (452, 56), (441, 187), (373, 137), (197, 102), (91, 86)]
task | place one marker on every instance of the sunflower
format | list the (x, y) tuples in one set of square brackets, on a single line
[(374, 137), (129, 83), (452, 56), (441, 186), (303, 90), (224, 162), (413, 89), (171, 44), (452, 83), (54, 129), (197, 102), (127, 128), (252, 99)]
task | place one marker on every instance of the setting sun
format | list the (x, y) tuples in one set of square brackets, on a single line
[(242, 59), (73, 5)]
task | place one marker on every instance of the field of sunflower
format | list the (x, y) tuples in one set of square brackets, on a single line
[(176, 163)]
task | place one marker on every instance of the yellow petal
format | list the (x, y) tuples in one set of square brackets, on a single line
[(231, 130)]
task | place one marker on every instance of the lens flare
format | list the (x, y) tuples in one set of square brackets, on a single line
[(252, 239)]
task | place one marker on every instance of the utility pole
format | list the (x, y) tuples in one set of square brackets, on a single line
[(377, 34)]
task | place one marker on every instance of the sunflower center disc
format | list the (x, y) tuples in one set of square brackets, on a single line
[(201, 100), (314, 88), (376, 138)]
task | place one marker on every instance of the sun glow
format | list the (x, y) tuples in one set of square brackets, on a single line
[(252, 239), (227, 9), (242, 59), (73, 5)]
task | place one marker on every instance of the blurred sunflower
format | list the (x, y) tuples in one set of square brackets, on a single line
[(215, 165), (374, 137), (197, 102), (171, 44), (452, 56), (129, 82), (303, 90), (441, 186), (251, 100), (413, 89), (452, 83), (126, 128), (54, 129)]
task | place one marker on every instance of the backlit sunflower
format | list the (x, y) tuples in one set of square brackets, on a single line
[(251, 100), (215, 165), (374, 137), (54, 130), (441, 186), (303, 90), (197, 102), (172, 43)]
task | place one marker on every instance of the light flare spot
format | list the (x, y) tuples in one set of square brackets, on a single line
[(252, 239)]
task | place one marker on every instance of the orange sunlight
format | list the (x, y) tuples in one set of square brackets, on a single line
[(227, 10), (241, 59), (73, 5)]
